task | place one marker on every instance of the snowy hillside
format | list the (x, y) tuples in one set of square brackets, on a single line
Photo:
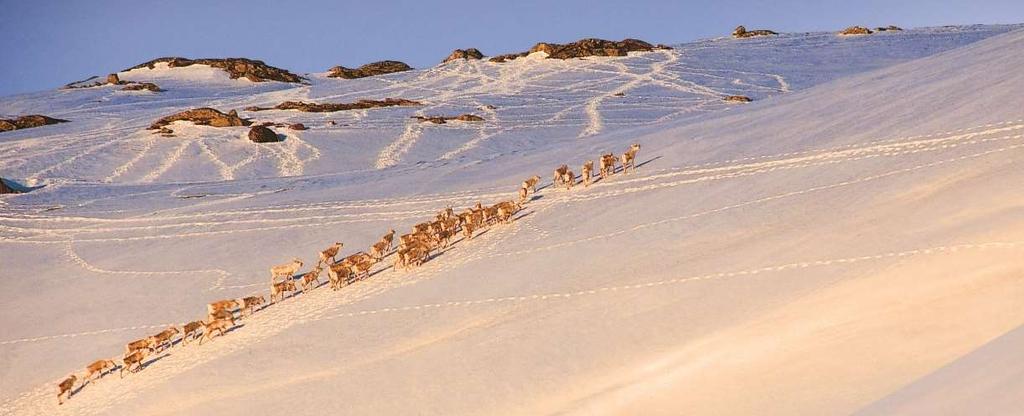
[(837, 242)]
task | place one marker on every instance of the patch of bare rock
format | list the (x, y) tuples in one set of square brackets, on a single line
[(113, 79), (368, 70), (27, 122), (445, 119), (263, 134), (737, 99), (856, 30), (251, 69), (464, 54), (890, 28), (584, 48), (332, 107), (741, 32), (142, 86), (7, 189), (201, 116)]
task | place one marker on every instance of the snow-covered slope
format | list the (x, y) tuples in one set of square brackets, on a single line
[(810, 253)]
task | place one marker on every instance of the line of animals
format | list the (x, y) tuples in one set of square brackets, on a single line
[(413, 250)]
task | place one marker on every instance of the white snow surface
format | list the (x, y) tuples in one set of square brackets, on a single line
[(848, 242)]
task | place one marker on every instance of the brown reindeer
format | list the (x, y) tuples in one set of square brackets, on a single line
[(629, 158), (568, 179), (222, 305), (378, 249), (134, 359), (531, 184), (523, 194), (66, 386), (140, 344), (280, 290), (607, 165), (221, 314), (559, 175), (190, 331), (251, 302), (309, 278), (588, 171), (218, 325), (467, 230), (338, 275), (97, 367), (287, 270), (330, 253), (389, 238), (163, 340)]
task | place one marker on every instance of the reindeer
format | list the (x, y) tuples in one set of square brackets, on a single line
[(467, 230), (559, 175), (389, 238), (530, 184), (219, 325), (569, 179), (277, 290), (66, 386), (251, 302), (288, 270), (162, 340), (507, 209), (136, 358), (145, 343), (309, 278), (328, 253), (221, 314), (378, 249), (629, 158), (97, 367), (607, 165), (523, 194), (336, 273), (588, 171), (190, 330), (225, 305)]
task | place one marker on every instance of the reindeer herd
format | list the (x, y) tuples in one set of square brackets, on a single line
[(413, 250)]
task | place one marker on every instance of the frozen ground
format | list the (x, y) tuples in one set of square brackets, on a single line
[(848, 242)]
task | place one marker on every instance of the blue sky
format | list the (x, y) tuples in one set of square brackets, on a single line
[(46, 44)]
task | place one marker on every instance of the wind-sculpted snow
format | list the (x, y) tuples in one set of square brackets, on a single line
[(839, 238)]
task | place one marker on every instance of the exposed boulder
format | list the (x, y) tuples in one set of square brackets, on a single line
[(332, 107), (471, 53), (583, 48), (890, 28), (737, 99), (113, 79), (253, 70), (297, 126), (445, 119), (262, 134), (368, 70), (204, 117), (856, 30), (27, 122), (741, 32), (6, 189), (140, 86)]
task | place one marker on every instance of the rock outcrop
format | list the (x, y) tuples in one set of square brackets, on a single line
[(202, 116), (140, 86), (737, 99), (113, 79), (332, 107), (890, 28), (6, 189), (262, 134), (297, 126), (856, 30), (471, 53), (741, 32), (27, 122), (253, 70), (445, 119), (584, 48), (368, 70)]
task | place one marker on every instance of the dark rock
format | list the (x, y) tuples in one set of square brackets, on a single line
[(113, 79), (262, 134), (297, 126), (488, 107), (5, 189), (332, 107), (507, 57), (204, 117), (445, 119), (737, 99), (619, 94), (139, 86), (253, 70), (331, 123), (471, 53), (890, 28), (27, 122), (741, 32), (856, 30), (368, 70), (583, 48)]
